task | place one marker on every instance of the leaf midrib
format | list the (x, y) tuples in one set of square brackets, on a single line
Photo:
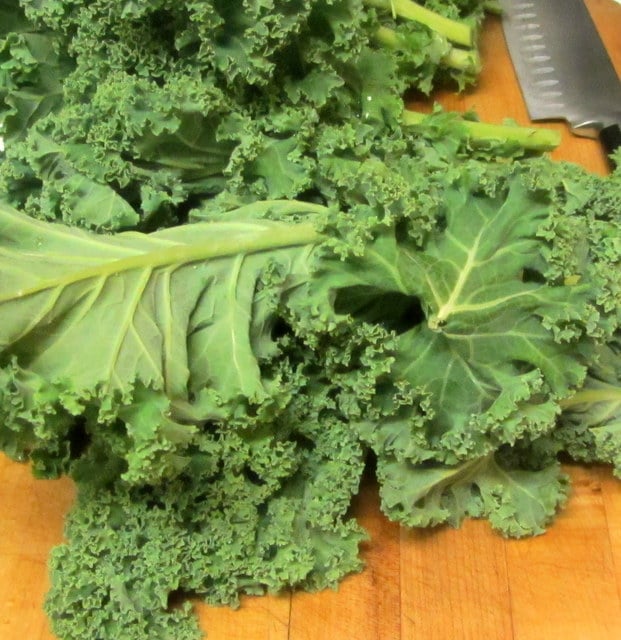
[(261, 237)]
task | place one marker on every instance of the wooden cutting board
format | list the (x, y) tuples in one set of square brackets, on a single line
[(442, 584)]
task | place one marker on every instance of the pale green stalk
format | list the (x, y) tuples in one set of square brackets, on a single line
[(463, 60), (456, 58), (592, 396), (530, 138), (453, 30), (265, 236)]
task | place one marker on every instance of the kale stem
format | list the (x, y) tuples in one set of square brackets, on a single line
[(453, 30), (460, 59), (592, 396), (492, 6), (463, 60), (241, 237), (389, 38), (530, 138)]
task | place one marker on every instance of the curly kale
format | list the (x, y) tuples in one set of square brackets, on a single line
[(233, 273), (122, 116), (247, 364)]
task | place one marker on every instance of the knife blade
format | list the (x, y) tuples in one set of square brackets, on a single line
[(563, 68)]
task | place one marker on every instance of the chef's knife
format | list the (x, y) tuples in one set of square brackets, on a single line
[(563, 68)]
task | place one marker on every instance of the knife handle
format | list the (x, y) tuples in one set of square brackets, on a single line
[(610, 137)]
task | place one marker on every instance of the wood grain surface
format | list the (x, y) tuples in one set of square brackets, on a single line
[(441, 584)]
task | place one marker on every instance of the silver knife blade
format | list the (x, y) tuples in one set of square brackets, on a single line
[(562, 65)]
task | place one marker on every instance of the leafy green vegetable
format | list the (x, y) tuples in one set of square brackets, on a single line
[(453, 30), (250, 361), (167, 309), (483, 133), (493, 344), (259, 512), (518, 502), (265, 349), (488, 336), (122, 118), (234, 272), (590, 427)]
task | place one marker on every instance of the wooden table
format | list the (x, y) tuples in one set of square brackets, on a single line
[(443, 584)]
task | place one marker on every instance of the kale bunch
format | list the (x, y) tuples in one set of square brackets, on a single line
[(232, 275), (243, 368), (129, 114)]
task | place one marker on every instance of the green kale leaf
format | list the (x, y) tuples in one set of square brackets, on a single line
[(185, 311), (489, 341), (590, 425)]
